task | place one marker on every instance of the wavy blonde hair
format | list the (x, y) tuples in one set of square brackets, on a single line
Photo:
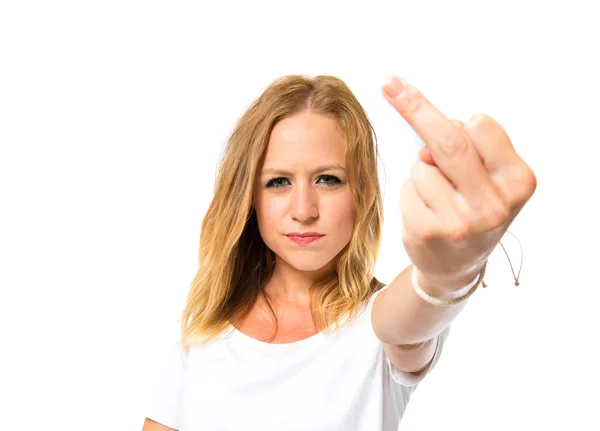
[(235, 263)]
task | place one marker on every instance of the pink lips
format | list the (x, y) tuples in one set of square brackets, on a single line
[(304, 238)]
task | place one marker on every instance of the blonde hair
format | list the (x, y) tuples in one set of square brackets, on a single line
[(235, 263)]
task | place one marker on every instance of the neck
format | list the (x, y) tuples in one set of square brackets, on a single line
[(291, 285)]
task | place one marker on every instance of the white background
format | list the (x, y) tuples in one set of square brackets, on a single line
[(112, 118)]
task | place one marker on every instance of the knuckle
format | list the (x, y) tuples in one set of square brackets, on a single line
[(413, 101), (426, 233), (416, 233), (459, 232), (459, 124), (525, 182), (454, 143), (479, 120), (496, 215)]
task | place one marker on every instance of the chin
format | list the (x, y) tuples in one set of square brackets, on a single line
[(308, 266), (307, 263)]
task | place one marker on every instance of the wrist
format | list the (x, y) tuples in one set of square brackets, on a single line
[(447, 288)]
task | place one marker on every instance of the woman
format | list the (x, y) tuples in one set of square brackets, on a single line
[(285, 326)]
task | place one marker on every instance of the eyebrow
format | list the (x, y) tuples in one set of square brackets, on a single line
[(317, 170)]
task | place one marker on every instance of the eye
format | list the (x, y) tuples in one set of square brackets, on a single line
[(279, 182), (276, 182), (330, 180)]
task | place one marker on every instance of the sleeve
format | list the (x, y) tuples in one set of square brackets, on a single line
[(409, 379), (163, 403)]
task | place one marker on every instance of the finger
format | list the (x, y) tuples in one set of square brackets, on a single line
[(513, 178), (424, 153), (436, 192), (426, 157), (450, 147), (417, 218), (483, 131)]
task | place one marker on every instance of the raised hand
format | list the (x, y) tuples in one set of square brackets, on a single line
[(464, 192)]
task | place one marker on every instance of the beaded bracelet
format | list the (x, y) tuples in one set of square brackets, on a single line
[(477, 282), (444, 302)]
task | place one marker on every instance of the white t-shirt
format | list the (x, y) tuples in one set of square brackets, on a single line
[(339, 381)]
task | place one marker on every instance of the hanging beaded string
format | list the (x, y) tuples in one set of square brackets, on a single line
[(473, 286), (515, 276)]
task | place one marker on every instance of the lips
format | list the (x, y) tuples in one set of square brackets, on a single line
[(304, 234), (304, 237)]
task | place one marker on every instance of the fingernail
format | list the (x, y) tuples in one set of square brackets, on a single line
[(394, 86)]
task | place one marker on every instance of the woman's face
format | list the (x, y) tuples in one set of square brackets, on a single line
[(303, 189)]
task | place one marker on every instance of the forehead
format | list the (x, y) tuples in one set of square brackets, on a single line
[(305, 139)]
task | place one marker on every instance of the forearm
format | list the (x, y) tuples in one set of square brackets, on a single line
[(411, 358), (401, 316)]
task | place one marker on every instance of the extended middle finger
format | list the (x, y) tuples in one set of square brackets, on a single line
[(450, 147)]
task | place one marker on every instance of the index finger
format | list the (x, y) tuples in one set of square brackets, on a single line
[(450, 147)]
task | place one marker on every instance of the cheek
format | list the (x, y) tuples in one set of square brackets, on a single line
[(269, 209), (350, 218), (341, 216), (268, 214)]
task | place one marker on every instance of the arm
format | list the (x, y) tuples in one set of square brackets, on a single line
[(463, 194), (407, 325)]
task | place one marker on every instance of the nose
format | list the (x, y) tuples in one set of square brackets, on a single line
[(304, 205)]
